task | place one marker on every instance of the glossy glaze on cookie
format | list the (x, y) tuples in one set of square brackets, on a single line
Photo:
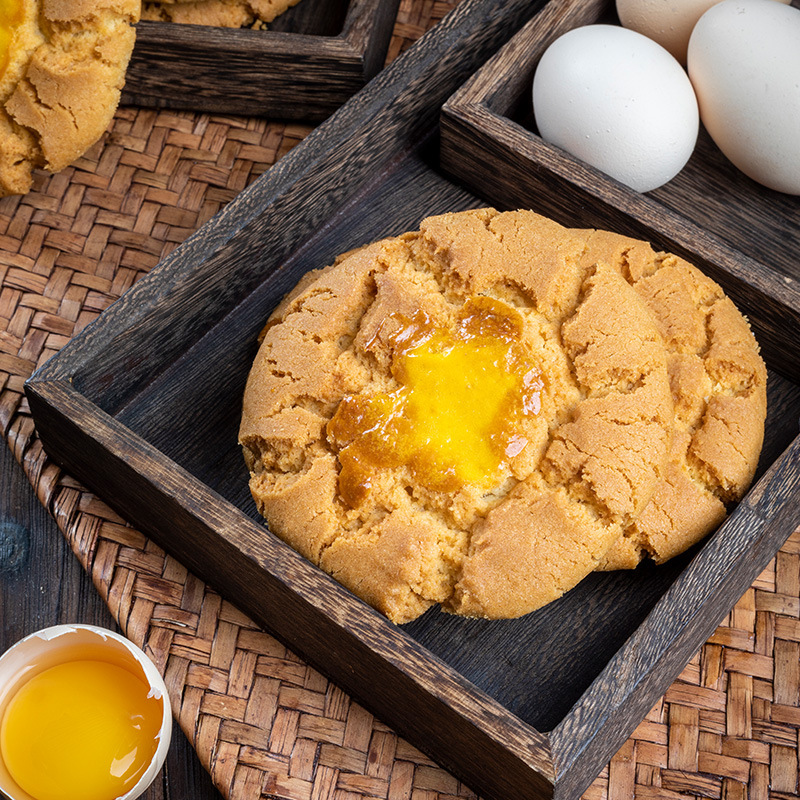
[(431, 423), (12, 15)]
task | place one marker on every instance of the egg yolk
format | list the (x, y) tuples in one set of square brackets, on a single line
[(455, 417), (83, 730), (11, 15)]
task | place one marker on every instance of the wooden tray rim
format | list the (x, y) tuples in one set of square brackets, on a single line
[(359, 17)]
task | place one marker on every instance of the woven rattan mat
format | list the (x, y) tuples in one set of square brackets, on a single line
[(261, 720)]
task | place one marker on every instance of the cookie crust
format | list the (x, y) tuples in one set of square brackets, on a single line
[(217, 13), (607, 442), (718, 384)]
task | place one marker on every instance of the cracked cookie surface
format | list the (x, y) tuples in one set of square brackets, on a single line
[(61, 82), (573, 476), (217, 13), (718, 383)]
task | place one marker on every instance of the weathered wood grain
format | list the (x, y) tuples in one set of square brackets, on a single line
[(43, 584)]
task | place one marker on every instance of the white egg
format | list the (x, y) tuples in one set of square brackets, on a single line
[(668, 22), (744, 63), (619, 101)]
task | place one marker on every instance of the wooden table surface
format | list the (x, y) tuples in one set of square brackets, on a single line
[(42, 584)]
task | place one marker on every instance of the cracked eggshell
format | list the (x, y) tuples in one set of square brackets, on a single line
[(61, 643), (744, 63), (619, 101)]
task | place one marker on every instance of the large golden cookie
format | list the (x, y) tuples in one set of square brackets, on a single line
[(548, 444), (61, 81), (218, 13)]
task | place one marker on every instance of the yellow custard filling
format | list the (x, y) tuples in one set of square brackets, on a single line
[(455, 418), (12, 13)]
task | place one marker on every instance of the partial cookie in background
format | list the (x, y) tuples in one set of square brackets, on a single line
[(217, 13), (61, 82)]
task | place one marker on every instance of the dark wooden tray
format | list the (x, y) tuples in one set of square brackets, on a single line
[(144, 406), (312, 59)]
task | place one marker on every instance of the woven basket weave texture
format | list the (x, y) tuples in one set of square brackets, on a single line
[(263, 722)]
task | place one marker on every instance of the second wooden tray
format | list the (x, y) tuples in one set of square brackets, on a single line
[(489, 123), (311, 60)]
